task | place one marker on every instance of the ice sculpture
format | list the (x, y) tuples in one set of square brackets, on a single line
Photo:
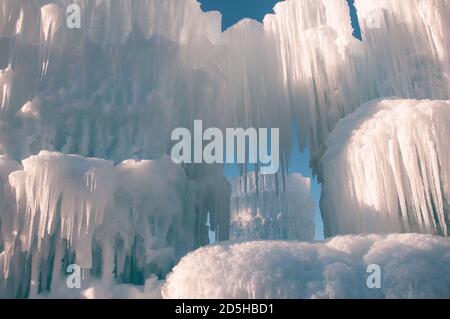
[(136, 69), (61, 200), (83, 91), (387, 169), (62, 194), (266, 207), (105, 89), (122, 224)]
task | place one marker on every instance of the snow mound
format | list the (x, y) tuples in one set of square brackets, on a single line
[(387, 169), (268, 207), (412, 266)]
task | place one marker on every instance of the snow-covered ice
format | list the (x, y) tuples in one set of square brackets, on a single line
[(387, 169), (412, 266)]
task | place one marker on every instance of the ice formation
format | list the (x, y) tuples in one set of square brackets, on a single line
[(123, 224), (266, 207), (106, 89), (411, 265), (327, 73), (387, 169), (136, 69), (156, 216), (61, 191), (7, 208)]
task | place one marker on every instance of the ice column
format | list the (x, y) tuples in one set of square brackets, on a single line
[(387, 169), (266, 207)]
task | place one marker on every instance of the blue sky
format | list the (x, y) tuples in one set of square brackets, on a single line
[(236, 10)]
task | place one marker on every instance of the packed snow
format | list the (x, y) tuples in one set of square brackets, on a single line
[(387, 169), (268, 207), (411, 266)]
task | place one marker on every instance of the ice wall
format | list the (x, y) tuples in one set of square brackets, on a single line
[(266, 207), (113, 89), (109, 88), (104, 90), (327, 73), (387, 169), (413, 61)]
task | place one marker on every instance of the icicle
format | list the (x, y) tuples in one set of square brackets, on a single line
[(260, 209), (54, 196), (386, 169), (154, 216)]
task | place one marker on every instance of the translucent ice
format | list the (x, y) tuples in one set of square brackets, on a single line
[(122, 224), (266, 207), (387, 169)]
